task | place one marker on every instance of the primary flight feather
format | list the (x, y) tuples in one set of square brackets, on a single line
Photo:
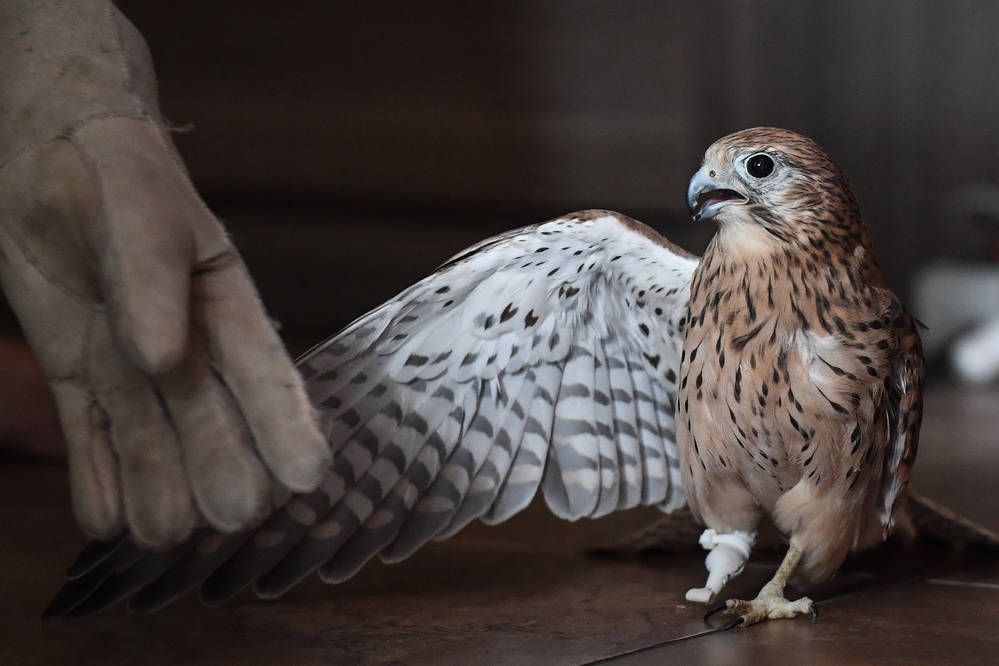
[(590, 358)]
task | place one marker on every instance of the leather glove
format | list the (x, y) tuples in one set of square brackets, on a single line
[(177, 400)]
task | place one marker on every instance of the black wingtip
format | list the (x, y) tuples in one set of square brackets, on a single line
[(51, 611), (93, 553), (71, 595), (93, 584)]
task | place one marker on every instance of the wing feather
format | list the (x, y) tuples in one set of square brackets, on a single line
[(365, 512), (905, 412), (507, 414), (612, 483), (529, 464), (572, 477), (656, 478), (665, 406), (627, 432)]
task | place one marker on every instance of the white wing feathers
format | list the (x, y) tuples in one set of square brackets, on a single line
[(545, 357)]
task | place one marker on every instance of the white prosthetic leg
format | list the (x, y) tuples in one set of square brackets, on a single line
[(726, 559)]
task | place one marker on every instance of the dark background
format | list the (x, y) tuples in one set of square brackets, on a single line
[(353, 146)]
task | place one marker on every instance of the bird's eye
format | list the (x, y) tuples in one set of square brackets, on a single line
[(760, 165)]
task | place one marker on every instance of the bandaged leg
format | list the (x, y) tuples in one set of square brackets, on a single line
[(726, 559)]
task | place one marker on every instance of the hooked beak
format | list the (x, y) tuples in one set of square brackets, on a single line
[(705, 197)]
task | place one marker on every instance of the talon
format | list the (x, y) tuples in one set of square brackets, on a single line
[(734, 623), (815, 612), (716, 609)]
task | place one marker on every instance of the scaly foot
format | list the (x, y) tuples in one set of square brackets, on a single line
[(766, 606)]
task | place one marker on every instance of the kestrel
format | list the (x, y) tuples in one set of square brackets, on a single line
[(588, 357), (801, 374)]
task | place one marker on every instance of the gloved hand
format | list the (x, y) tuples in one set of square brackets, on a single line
[(177, 399)]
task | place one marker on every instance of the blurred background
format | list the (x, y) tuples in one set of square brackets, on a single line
[(351, 147)]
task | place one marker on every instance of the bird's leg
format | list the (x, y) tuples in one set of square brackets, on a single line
[(770, 603)]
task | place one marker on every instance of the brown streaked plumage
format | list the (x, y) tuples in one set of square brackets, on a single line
[(801, 373)]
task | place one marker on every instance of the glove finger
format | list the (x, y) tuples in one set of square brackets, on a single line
[(251, 360), (143, 239), (227, 479), (157, 501), (93, 470)]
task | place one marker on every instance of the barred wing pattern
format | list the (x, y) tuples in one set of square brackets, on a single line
[(546, 358)]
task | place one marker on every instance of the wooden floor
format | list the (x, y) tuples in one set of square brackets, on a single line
[(527, 593)]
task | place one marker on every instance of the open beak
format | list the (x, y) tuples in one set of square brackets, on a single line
[(705, 197)]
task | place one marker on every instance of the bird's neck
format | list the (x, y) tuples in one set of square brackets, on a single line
[(791, 278), (741, 242)]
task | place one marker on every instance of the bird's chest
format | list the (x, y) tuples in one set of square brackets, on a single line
[(739, 383), (756, 397)]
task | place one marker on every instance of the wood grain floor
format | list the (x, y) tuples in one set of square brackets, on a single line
[(528, 593)]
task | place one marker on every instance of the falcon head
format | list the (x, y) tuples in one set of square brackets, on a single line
[(773, 178)]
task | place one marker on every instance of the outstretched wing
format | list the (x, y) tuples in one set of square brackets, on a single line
[(545, 357)]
